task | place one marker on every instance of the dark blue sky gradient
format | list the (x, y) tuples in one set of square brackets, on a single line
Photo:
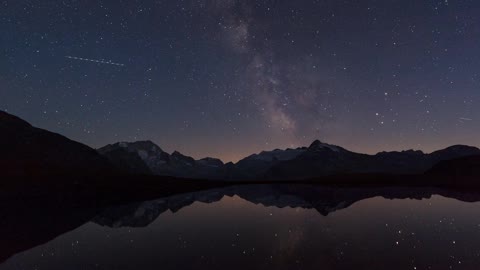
[(228, 78)]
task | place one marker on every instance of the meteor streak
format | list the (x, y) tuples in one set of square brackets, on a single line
[(95, 61)]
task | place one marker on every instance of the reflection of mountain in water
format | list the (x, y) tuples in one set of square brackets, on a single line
[(32, 213), (57, 212), (324, 200)]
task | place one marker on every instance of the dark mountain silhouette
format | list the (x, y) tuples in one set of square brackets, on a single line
[(29, 151), (460, 168), (317, 160), (257, 165), (322, 160), (130, 158), (119, 193), (30, 156), (145, 156), (26, 150)]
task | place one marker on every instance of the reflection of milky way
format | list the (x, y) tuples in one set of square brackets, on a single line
[(223, 232), (294, 240)]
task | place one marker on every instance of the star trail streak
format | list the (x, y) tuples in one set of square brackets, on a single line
[(95, 61)]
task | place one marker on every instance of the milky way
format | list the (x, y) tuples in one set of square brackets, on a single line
[(228, 78)]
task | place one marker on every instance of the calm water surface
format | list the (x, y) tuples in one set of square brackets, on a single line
[(234, 232)]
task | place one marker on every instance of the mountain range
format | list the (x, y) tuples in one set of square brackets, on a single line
[(130, 184), (27, 150), (317, 160), (145, 157)]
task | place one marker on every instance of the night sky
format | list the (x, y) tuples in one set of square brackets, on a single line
[(229, 78)]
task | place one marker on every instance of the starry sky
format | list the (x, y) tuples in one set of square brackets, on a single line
[(227, 78)]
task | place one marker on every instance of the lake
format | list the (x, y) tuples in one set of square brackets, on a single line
[(262, 227)]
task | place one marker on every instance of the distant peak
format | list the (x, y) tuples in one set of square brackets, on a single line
[(147, 142), (143, 144), (211, 161), (182, 158), (147, 146), (316, 144), (176, 153), (413, 152), (461, 146)]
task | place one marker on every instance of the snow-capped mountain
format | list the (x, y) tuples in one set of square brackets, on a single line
[(322, 159), (145, 157), (26, 150), (318, 160), (256, 165)]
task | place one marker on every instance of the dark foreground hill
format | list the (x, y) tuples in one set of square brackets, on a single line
[(33, 153), (26, 150), (69, 184)]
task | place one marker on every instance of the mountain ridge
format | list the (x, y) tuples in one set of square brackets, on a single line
[(317, 160), (27, 150)]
